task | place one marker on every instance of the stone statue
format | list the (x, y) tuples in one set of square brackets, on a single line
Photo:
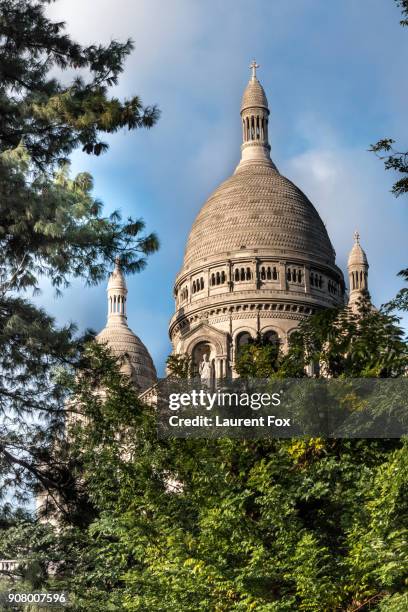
[(205, 368)]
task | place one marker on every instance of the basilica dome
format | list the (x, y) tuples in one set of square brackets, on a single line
[(258, 259), (258, 208), (137, 363)]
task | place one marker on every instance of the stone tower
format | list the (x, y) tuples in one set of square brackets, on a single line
[(258, 258), (138, 364), (358, 273)]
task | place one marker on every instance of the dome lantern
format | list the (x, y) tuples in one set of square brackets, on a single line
[(117, 292), (254, 117)]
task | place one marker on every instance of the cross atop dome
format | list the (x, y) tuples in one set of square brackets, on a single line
[(356, 237), (253, 66)]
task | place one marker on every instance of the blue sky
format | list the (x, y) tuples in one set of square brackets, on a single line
[(335, 77)]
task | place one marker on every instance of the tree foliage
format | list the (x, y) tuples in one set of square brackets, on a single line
[(185, 524), (48, 116), (54, 97), (180, 366), (258, 359), (337, 342)]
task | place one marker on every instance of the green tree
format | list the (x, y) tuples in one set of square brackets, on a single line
[(54, 97), (180, 366), (50, 117), (305, 524), (340, 342), (259, 358)]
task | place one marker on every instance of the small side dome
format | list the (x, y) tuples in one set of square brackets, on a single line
[(357, 255), (137, 363)]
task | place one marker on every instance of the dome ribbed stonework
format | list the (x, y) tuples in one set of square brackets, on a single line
[(254, 95), (357, 256), (258, 259), (137, 363), (257, 208)]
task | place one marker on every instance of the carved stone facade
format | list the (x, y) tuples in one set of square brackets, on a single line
[(258, 258)]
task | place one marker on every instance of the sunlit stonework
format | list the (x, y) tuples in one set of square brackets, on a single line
[(258, 260), (137, 363)]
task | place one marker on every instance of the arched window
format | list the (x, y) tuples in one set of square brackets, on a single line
[(236, 274), (252, 128), (223, 277), (288, 274), (213, 279), (258, 131), (242, 274), (299, 276), (248, 274), (201, 283), (272, 337), (263, 275), (218, 278), (275, 274), (242, 339), (268, 273)]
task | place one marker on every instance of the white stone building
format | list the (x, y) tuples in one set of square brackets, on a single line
[(258, 260)]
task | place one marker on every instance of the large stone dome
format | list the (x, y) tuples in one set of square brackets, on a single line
[(258, 208), (258, 258)]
